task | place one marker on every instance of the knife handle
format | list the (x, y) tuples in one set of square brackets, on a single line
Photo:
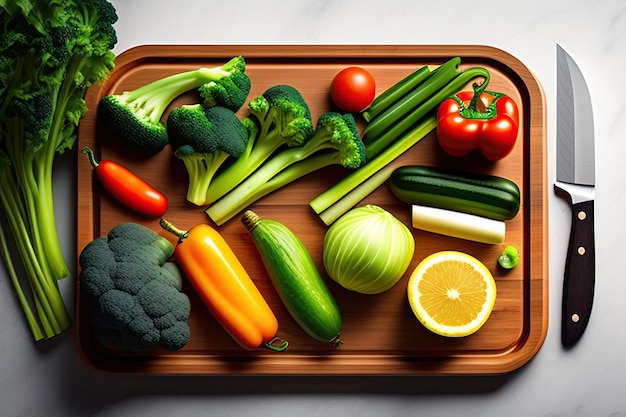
[(579, 280)]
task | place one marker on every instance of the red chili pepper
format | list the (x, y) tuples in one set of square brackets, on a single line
[(127, 187), (462, 127)]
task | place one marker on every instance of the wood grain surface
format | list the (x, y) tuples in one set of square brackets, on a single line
[(381, 334)]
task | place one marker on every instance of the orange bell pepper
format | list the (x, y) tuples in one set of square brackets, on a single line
[(225, 287)]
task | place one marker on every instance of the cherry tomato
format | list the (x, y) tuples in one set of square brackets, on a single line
[(353, 89)]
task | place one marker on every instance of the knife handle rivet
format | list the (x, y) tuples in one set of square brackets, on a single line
[(582, 215), (575, 318), (581, 250)]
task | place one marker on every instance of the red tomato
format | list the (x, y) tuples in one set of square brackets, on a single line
[(353, 89)]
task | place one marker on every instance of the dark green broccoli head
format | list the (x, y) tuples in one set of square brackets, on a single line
[(230, 92), (204, 139), (283, 114), (230, 134), (133, 292), (288, 99), (196, 129), (188, 126), (140, 134)]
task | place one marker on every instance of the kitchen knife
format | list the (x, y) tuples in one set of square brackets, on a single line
[(575, 179)]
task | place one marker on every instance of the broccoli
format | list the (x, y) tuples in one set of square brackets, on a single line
[(279, 118), (134, 291), (51, 52), (204, 139), (230, 92), (134, 117), (335, 141)]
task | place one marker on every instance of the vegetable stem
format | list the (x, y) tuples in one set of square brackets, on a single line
[(28, 312), (167, 225)]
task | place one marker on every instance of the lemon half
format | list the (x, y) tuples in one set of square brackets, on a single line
[(452, 293)]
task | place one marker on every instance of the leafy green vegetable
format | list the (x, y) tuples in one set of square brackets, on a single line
[(50, 53)]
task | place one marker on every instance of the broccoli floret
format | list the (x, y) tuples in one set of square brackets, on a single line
[(279, 118), (133, 291), (134, 117), (204, 139), (335, 141), (230, 92)]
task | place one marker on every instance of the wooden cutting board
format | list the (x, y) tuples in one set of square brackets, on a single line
[(381, 334)]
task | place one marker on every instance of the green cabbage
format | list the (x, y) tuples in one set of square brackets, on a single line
[(367, 250)]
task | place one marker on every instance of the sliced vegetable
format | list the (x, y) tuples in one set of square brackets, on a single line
[(353, 89), (225, 287), (452, 293), (478, 119), (395, 139), (474, 193), (457, 224), (127, 187), (367, 250), (509, 258), (296, 278)]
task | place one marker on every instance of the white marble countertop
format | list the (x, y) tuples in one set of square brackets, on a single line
[(587, 380)]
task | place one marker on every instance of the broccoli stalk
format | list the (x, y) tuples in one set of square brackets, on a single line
[(134, 117), (204, 139), (279, 118), (50, 53), (335, 141)]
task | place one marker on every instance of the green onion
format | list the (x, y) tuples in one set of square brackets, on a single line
[(395, 92), (378, 126)]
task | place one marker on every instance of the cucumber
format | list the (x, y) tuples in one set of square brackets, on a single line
[(296, 278), (467, 192)]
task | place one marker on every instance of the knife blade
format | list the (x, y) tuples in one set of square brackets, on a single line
[(575, 180)]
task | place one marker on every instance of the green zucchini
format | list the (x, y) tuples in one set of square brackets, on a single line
[(296, 278), (474, 193)]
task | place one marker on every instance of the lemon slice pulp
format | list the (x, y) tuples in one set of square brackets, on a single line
[(452, 293)]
